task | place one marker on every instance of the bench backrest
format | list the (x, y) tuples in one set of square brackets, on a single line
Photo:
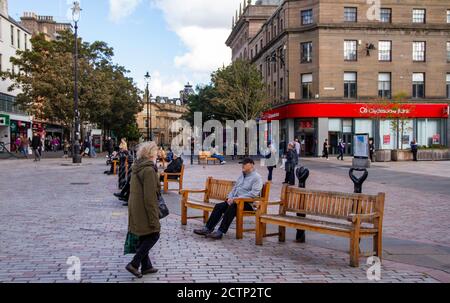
[(219, 189), (330, 204), (204, 154)]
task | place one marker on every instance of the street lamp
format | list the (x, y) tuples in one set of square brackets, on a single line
[(149, 123), (76, 11)]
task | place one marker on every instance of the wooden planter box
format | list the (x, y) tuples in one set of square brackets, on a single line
[(433, 154), (401, 155), (383, 155)]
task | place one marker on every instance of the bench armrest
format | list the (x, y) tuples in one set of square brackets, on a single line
[(258, 203), (193, 191), (172, 174), (353, 217), (243, 200)]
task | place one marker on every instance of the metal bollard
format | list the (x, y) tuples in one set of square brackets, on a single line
[(302, 175), (358, 182)]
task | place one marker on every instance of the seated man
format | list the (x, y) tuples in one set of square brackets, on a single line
[(248, 185), (173, 167), (215, 154)]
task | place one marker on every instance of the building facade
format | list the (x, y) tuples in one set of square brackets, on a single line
[(13, 121), (43, 25), (334, 68), (162, 113)]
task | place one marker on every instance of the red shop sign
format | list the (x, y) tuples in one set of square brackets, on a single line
[(357, 110)]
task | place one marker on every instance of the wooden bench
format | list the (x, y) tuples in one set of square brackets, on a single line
[(179, 179), (216, 191), (353, 216), (206, 156)]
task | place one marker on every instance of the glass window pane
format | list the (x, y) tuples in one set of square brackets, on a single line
[(363, 126)]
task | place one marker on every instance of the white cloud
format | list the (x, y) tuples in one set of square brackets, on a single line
[(163, 86), (120, 9), (203, 26)]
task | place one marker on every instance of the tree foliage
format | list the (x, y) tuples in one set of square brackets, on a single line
[(107, 96)]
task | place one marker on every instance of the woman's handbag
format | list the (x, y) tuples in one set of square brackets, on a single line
[(163, 210), (131, 243)]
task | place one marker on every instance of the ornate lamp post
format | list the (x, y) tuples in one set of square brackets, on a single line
[(149, 123), (76, 11)]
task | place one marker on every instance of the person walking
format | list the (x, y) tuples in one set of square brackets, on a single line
[(123, 146), (341, 149), (66, 148), (290, 164), (297, 146), (371, 149), (270, 159), (36, 145), (414, 150), (143, 208), (325, 149), (24, 146), (109, 146)]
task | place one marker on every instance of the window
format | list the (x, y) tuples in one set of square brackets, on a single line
[(419, 51), (1, 62), (350, 50), (386, 15), (448, 51), (307, 17), (384, 85), (350, 85), (448, 86), (251, 53), (448, 16), (350, 14), (281, 87), (274, 88), (18, 39), (26, 41), (418, 16), (385, 50), (12, 35), (307, 86), (256, 49), (418, 85), (306, 49)]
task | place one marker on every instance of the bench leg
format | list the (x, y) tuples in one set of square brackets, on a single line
[(260, 232), (183, 213), (377, 245), (354, 250), (282, 234), (205, 216), (240, 221)]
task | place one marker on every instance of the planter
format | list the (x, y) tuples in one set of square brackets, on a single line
[(401, 155), (383, 155), (433, 154)]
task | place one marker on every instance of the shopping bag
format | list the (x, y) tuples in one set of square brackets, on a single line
[(131, 243)]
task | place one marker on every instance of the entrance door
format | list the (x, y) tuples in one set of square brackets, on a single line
[(333, 142), (347, 139)]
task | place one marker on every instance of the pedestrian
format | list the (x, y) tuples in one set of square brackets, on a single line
[(66, 148), (248, 185), (18, 144), (36, 145), (174, 166), (85, 148), (290, 164), (24, 146), (341, 149), (143, 208), (109, 146), (414, 149), (123, 146), (371, 149), (325, 149), (93, 153), (270, 159)]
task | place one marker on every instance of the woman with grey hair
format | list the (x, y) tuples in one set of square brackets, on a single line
[(143, 208)]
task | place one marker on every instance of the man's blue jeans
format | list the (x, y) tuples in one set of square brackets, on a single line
[(220, 157)]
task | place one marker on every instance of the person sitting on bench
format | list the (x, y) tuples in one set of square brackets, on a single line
[(248, 185), (215, 154), (174, 167)]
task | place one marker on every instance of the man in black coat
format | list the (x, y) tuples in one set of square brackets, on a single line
[(36, 145), (174, 167)]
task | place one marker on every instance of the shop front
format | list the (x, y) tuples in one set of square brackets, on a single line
[(4, 130), (390, 126), (19, 128)]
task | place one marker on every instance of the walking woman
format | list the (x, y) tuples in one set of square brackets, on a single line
[(289, 166), (325, 149), (143, 208)]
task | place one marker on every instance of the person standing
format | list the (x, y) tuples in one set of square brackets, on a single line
[(109, 146), (24, 146), (371, 149), (414, 150), (66, 148), (143, 208), (290, 164), (36, 145), (123, 145), (325, 149), (270, 159), (297, 146), (341, 148)]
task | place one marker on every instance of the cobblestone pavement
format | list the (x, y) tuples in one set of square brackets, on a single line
[(49, 212)]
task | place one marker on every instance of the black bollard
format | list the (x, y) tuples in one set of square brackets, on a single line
[(358, 182), (302, 175)]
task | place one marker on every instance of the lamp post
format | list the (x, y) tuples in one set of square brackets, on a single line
[(149, 125), (76, 11)]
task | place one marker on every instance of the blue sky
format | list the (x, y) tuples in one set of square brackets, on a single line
[(175, 40)]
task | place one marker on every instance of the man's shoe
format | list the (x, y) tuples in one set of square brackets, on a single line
[(125, 204), (217, 235), (118, 195), (202, 232), (123, 199), (133, 270), (151, 270)]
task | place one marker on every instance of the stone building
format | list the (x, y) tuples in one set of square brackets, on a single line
[(332, 68), (43, 25)]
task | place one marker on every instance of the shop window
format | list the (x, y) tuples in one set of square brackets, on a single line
[(384, 85), (388, 136), (419, 51), (418, 86), (418, 15), (364, 126), (307, 86), (384, 50), (386, 15), (350, 85), (429, 132), (307, 17), (335, 125), (347, 126), (350, 50), (306, 49), (350, 14)]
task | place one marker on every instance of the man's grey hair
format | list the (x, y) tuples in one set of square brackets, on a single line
[(146, 150)]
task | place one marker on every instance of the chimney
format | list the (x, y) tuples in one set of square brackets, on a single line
[(4, 7)]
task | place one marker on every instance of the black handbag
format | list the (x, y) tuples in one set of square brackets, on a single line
[(163, 209)]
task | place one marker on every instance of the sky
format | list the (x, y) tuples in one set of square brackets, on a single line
[(177, 41)]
